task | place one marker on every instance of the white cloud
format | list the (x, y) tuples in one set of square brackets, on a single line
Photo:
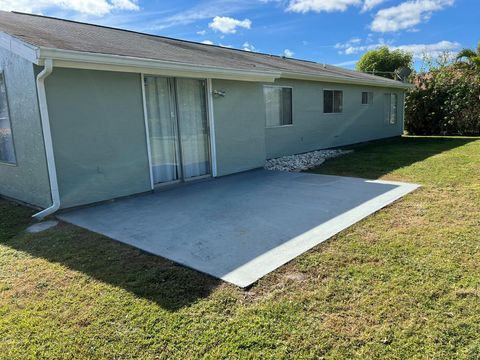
[(248, 47), (303, 6), (370, 4), (228, 25), (208, 42), (87, 7), (354, 46), (431, 50), (288, 53), (417, 50), (407, 15), (201, 32)]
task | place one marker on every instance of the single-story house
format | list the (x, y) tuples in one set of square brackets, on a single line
[(90, 113)]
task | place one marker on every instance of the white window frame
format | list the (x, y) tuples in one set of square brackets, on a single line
[(369, 98), (333, 104), (5, 162), (264, 102)]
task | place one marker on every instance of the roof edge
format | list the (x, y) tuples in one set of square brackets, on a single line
[(346, 80), (110, 62), (19, 47), (101, 61)]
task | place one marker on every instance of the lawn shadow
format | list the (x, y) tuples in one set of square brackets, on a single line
[(374, 159), (148, 276)]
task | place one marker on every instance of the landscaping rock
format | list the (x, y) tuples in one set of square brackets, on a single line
[(301, 162)]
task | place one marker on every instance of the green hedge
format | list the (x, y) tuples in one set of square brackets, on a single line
[(445, 101)]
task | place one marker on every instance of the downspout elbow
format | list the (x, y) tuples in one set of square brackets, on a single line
[(47, 140)]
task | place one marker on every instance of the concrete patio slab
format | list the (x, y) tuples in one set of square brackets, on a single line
[(240, 227)]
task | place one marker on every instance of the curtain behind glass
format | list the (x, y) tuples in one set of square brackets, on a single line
[(162, 129), (192, 119), (272, 105), (337, 101), (7, 152), (278, 105), (393, 111), (390, 106)]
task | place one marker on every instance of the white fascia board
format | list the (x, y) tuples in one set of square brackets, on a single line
[(19, 47), (108, 62), (345, 80)]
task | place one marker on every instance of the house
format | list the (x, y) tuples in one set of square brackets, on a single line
[(90, 113)]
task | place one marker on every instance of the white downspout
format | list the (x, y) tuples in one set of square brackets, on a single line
[(47, 140)]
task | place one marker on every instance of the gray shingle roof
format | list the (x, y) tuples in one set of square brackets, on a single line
[(46, 32)]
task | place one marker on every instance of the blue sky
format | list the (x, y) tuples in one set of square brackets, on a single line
[(330, 31)]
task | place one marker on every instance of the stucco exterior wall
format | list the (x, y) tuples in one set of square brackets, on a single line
[(239, 126), (27, 180), (312, 129), (98, 135)]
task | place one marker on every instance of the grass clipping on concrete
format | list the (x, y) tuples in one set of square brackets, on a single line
[(403, 283)]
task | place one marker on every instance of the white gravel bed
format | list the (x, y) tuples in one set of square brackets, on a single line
[(300, 162)]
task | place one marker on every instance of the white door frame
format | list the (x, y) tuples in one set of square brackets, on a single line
[(147, 132), (211, 126)]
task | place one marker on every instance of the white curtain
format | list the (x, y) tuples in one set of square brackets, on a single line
[(162, 129), (272, 105), (192, 121), (278, 105)]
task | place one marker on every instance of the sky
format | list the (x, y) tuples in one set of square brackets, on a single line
[(335, 32)]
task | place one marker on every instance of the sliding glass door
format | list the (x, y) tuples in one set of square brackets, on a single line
[(178, 128)]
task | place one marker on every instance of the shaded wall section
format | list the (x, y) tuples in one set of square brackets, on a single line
[(98, 134), (239, 126), (312, 129), (27, 180)]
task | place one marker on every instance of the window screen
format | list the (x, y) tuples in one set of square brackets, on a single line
[(7, 153), (278, 103), (332, 101)]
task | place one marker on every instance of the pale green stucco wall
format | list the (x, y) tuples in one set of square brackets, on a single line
[(239, 126), (312, 129), (26, 181), (98, 134), (244, 143)]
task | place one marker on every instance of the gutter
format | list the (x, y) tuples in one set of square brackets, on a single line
[(111, 62), (346, 80), (47, 140), (122, 63)]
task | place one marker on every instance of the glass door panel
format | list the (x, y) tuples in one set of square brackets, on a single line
[(193, 127), (162, 126)]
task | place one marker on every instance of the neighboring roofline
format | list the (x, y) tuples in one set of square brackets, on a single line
[(110, 62)]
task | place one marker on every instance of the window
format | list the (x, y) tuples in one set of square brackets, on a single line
[(7, 154), (390, 108), (367, 98), (332, 101), (278, 103)]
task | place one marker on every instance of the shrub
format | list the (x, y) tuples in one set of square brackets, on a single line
[(445, 101)]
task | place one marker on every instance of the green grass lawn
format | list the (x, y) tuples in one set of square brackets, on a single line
[(403, 283)]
